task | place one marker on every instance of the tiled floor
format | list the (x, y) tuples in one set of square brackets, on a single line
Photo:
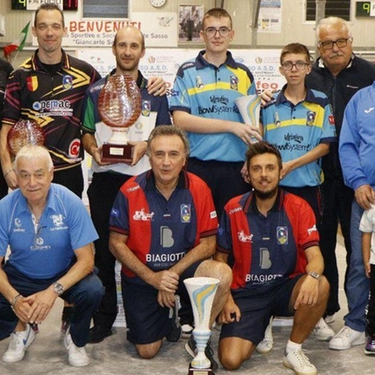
[(116, 356)]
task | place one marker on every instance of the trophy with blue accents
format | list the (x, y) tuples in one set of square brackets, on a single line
[(201, 291), (249, 107)]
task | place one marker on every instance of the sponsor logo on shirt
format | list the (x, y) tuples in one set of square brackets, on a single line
[(74, 148), (143, 216), (313, 229), (53, 107), (242, 237), (261, 278)]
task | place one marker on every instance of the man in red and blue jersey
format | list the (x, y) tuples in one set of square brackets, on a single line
[(277, 268), (163, 229)]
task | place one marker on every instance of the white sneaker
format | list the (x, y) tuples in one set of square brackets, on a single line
[(322, 331), (77, 356), (299, 363), (346, 338), (266, 345), (19, 342)]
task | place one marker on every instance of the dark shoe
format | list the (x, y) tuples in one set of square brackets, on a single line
[(66, 318), (191, 348), (175, 332), (98, 334), (370, 346)]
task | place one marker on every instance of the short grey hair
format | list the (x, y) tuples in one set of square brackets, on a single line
[(333, 21), (34, 152), (169, 130)]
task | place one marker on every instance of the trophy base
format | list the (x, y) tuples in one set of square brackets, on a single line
[(200, 371), (113, 153)]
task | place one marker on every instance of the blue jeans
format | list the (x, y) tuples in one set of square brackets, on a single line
[(86, 296), (358, 285)]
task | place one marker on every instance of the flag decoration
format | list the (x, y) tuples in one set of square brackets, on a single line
[(18, 44)]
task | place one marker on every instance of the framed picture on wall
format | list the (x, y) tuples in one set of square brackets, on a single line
[(190, 22)]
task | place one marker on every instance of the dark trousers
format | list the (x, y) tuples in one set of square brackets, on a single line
[(85, 295), (337, 208), (3, 186), (371, 306), (72, 178), (102, 193), (223, 178)]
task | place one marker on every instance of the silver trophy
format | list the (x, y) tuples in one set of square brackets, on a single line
[(201, 291)]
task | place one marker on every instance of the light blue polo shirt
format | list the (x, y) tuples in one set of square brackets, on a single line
[(65, 226), (205, 90), (296, 130)]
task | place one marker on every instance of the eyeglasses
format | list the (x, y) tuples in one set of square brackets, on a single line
[(340, 43), (300, 65), (211, 32)]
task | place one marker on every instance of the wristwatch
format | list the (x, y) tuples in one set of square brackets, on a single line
[(314, 274), (58, 288)]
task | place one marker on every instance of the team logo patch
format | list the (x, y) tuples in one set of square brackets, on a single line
[(233, 83), (331, 120), (74, 148), (282, 235), (310, 118), (198, 82), (146, 108), (32, 83), (67, 82), (185, 210)]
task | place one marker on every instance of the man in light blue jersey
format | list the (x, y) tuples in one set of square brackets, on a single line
[(202, 103)]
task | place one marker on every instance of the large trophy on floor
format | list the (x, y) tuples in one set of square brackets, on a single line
[(119, 107), (23, 133), (201, 291)]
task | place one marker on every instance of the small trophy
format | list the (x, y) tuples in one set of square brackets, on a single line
[(201, 291), (119, 107), (249, 107), (22, 133)]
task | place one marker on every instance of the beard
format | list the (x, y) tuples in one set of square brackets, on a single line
[(264, 195)]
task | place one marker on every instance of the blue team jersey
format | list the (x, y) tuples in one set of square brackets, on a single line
[(296, 130), (205, 90), (48, 250), (269, 248), (160, 232)]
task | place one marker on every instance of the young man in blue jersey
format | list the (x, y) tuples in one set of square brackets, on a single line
[(300, 123), (50, 235), (277, 270), (203, 105)]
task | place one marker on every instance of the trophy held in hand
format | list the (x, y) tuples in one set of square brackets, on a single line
[(249, 107), (201, 291), (119, 107), (22, 133)]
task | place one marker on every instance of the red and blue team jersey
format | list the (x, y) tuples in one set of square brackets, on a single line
[(267, 248), (160, 232)]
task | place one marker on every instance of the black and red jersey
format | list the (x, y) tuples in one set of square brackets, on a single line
[(53, 99)]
